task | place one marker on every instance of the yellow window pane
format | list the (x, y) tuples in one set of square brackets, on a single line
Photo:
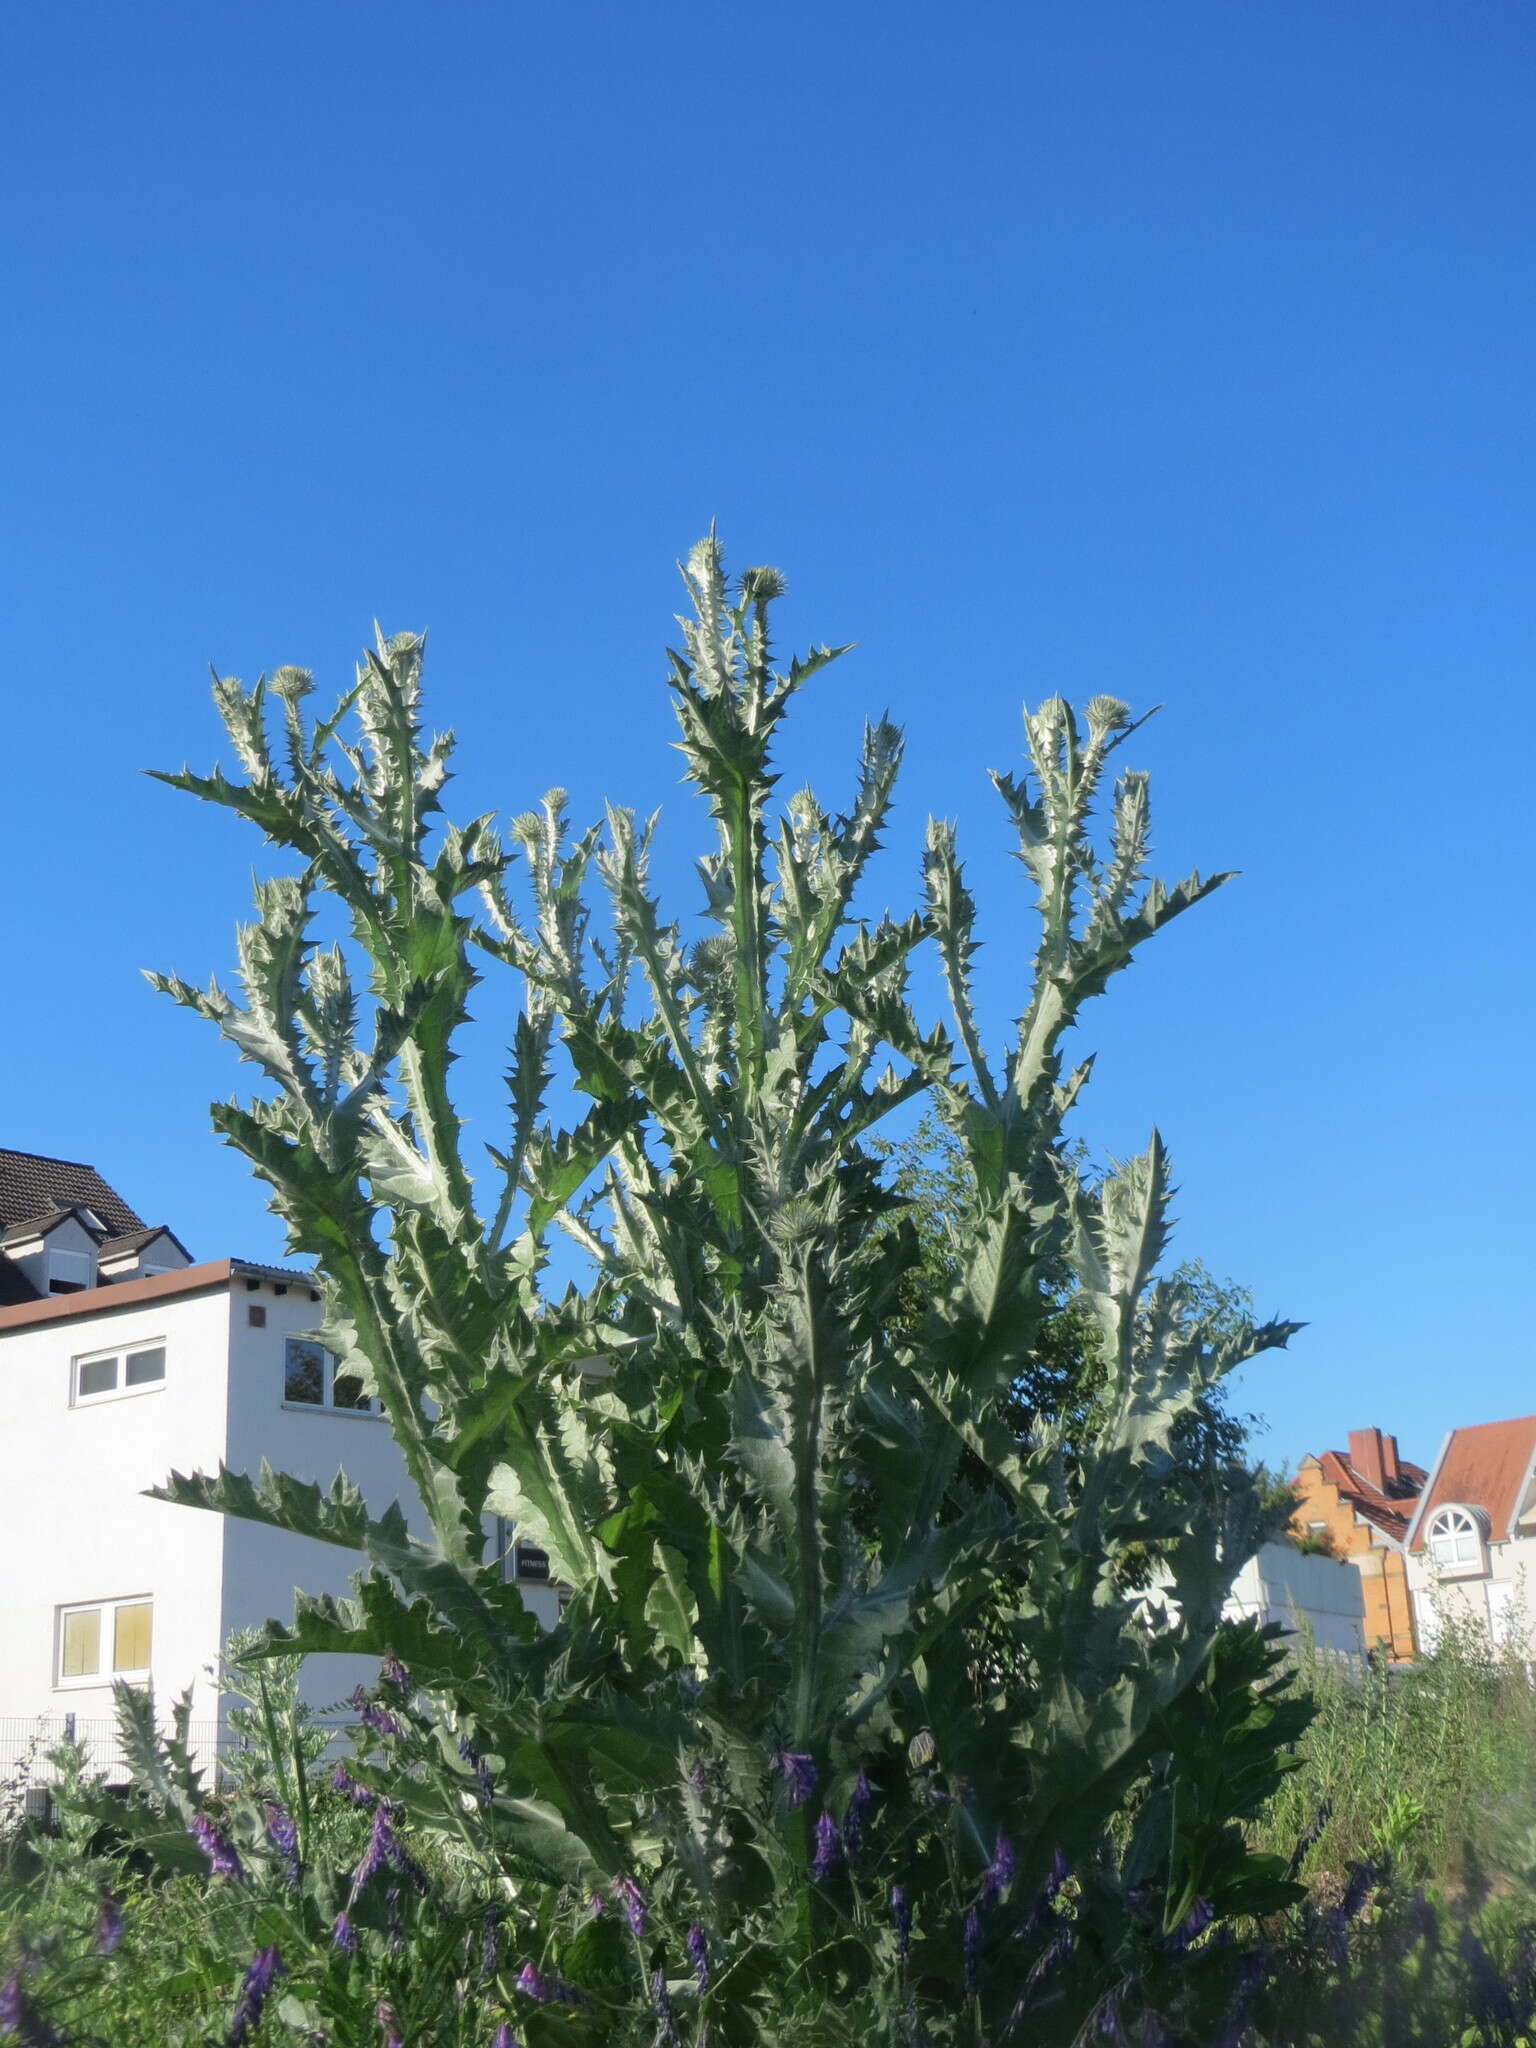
[(130, 1637), (81, 1650)]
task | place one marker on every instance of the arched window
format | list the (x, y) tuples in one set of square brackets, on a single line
[(1456, 1540)]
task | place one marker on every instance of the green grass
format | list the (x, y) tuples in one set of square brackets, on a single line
[(1432, 1767)]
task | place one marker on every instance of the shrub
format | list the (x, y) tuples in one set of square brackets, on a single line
[(861, 1721)]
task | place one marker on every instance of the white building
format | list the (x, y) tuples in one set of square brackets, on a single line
[(122, 1360), (1472, 1542), (1300, 1590)]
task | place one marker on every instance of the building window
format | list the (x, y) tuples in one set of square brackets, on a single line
[(107, 1374), (314, 1378), (523, 1563), (70, 1272), (106, 1640), (1455, 1541), (256, 1316)]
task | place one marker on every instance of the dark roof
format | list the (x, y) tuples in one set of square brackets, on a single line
[(15, 1287), (135, 1241), (1485, 1466), (33, 1186)]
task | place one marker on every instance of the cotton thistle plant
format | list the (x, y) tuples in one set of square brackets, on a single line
[(779, 1510)]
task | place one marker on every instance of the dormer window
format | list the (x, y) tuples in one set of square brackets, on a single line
[(70, 1272), (1456, 1542)]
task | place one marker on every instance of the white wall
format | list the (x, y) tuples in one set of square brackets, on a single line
[(74, 1525), (263, 1567), (1294, 1588), (1500, 1598)]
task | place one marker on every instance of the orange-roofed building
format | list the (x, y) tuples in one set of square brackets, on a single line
[(1362, 1503), (1472, 1543)]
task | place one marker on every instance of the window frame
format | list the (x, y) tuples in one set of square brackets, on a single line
[(108, 1611), (1457, 1546), (120, 1389), (372, 1409)]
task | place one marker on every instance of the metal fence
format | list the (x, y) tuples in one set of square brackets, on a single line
[(26, 1746)]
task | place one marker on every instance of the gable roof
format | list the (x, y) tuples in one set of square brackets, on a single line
[(1391, 1512), (34, 1187), (1487, 1466), (137, 1240)]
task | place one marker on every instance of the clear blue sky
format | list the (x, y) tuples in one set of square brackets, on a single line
[(1179, 351)]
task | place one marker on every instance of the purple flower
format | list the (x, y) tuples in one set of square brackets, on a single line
[(490, 1949), (389, 2024), (373, 1716), (17, 2017), (265, 1969), (632, 1899), (696, 1777), (798, 1772), (829, 1847), (970, 1949), (218, 1848), (344, 1934), (385, 1851), (284, 1837), (483, 1779), (109, 1923), (853, 1820), (998, 1874), (532, 1985), (1191, 1927), (342, 1781), (901, 1920), (697, 1945), (661, 2001), (394, 1674), (595, 1904), (504, 2037), (1107, 2017)]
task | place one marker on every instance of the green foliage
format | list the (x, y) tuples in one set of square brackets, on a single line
[(781, 1494), (1433, 1764)]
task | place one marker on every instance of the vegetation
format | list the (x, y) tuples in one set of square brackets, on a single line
[(890, 1701)]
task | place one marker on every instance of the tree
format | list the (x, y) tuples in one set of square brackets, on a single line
[(760, 1720)]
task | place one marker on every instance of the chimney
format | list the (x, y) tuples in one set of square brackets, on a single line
[(1373, 1457)]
